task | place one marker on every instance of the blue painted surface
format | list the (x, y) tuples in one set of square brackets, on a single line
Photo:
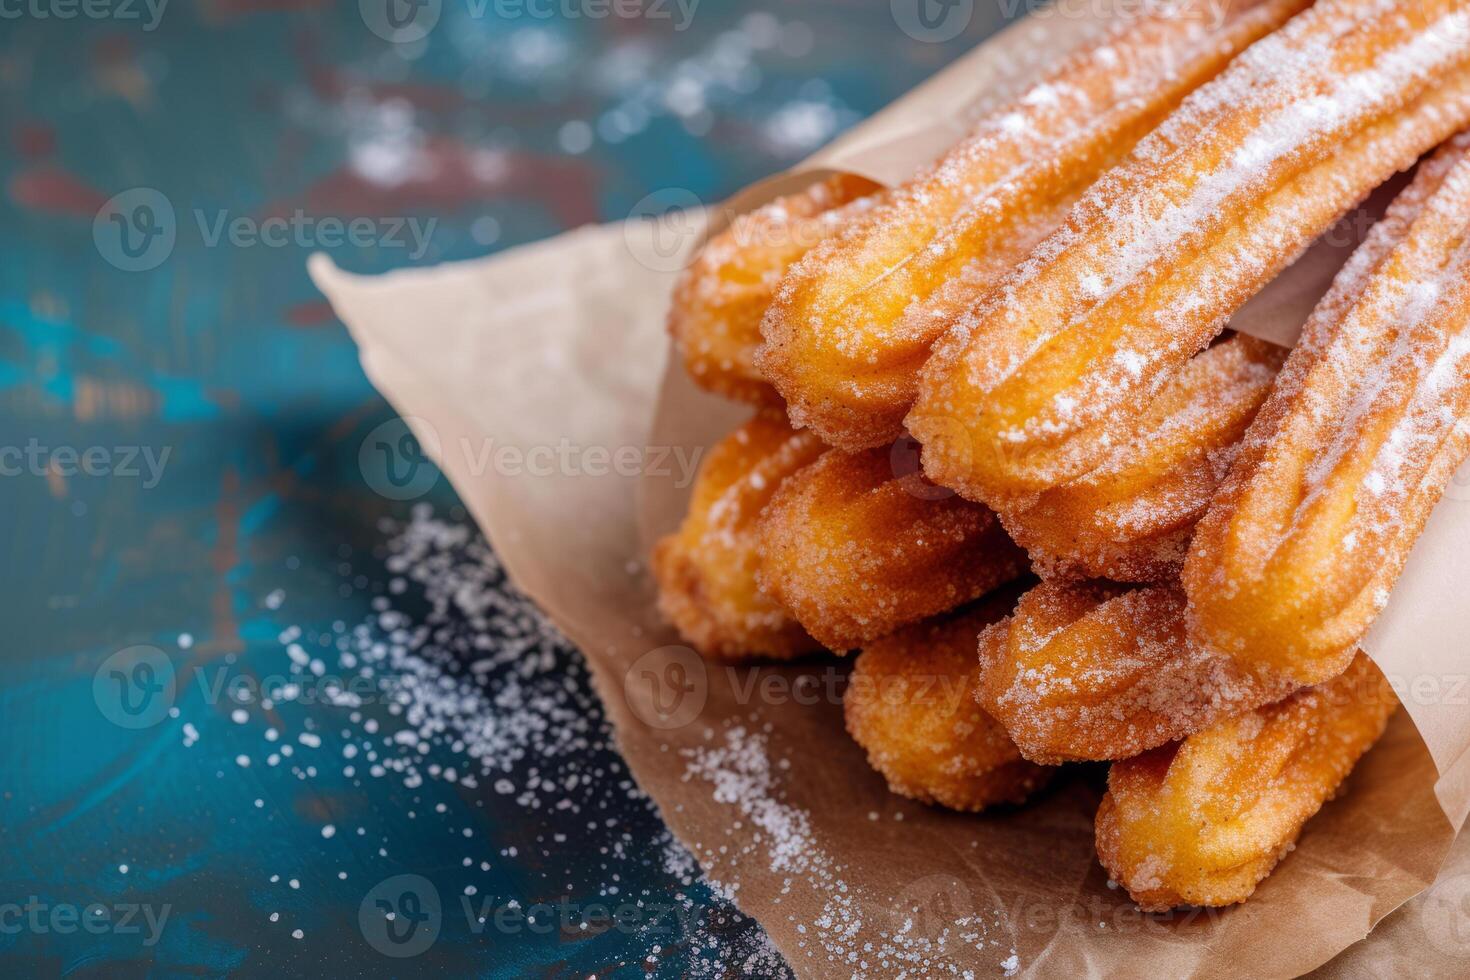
[(222, 366)]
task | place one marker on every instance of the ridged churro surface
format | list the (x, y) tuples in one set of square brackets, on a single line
[(856, 551), (1203, 821), (854, 320), (706, 571), (1131, 519), (1357, 444), (1054, 369), (720, 299), (910, 703), (1095, 670)]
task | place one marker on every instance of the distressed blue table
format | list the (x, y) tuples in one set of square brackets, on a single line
[(268, 707)]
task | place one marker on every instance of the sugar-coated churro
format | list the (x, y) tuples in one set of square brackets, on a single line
[(706, 571), (856, 551), (1367, 425), (1202, 822), (719, 300), (1094, 670), (910, 703), (1055, 367), (854, 320), (1131, 519)]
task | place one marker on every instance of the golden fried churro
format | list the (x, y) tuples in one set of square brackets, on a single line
[(910, 703), (706, 571), (1130, 520), (1357, 443), (854, 320), (855, 551), (1095, 670), (1048, 374), (720, 299), (1202, 822)]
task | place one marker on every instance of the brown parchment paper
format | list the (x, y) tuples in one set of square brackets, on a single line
[(561, 344)]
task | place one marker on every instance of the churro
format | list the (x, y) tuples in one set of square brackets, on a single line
[(706, 571), (1095, 670), (720, 299), (1356, 445), (855, 550), (1055, 367), (910, 703), (1202, 822), (854, 320), (1131, 519)]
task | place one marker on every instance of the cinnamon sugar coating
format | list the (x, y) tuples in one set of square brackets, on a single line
[(854, 320), (1201, 822), (1131, 519), (854, 550), (1095, 670), (719, 300), (706, 570), (1055, 368), (1363, 433), (910, 703)]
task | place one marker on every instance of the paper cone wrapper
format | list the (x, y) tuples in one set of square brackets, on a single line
[(557, 351)]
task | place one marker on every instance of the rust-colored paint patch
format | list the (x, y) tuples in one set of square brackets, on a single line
[(33, 140), (317, 313), (49, 189)]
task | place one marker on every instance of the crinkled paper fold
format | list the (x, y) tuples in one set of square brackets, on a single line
[(561, 344)]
